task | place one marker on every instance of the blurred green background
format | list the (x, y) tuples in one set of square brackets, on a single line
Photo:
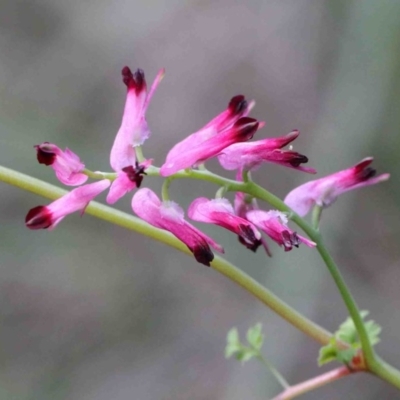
[(91, 311)]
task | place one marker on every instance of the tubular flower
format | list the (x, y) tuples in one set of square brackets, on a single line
[(221, 213), (252, 154), (47, 217), (238, 107), (323, 192), (243, 204), (169, 216), (274, 224), (243, 129), (66, 164), (127, 179), (134, 129)]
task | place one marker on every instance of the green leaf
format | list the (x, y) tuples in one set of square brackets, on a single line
[(327, 353), (233, 336), (245, 354), (232, 343), (241, 352), (347, 333), (255, 337)]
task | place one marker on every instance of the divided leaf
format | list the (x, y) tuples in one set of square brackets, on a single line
[(347, 333), (242, 352)]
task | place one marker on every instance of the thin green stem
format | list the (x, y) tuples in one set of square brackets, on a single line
[(220, 192), (139, 154), (100, 175), (386, 372), (219, 264), (277, 375), (246, 175), (165, 188), (312, 384), (316, 216)]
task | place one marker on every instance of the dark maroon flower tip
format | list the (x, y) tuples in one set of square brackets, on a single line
[(253, 246), (38, 218), (362, 171), (248, 238), (246, 126), (134, 81), (297, 159), (367, 173), (237, 104), (289, 240), (44, 154), (135, 173), (203, 254)]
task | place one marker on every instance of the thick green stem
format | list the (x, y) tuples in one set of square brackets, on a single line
[(219, 264)]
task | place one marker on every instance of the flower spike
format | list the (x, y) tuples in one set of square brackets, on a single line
[(220, 212), (47, 217), (66, 164), (134, 129), (243, 129), (252, 154), (169, 216), (274, 224), (323, 192)]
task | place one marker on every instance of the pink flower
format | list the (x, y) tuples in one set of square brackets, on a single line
[(252, 154), (274, 224), (127, 179), (66, 164), (323, 192), (134, 130), (191, 153), (238, 107), (220, 212), (169, 216), (242, 205), (43, 217)]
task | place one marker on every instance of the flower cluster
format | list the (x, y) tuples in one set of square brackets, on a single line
[(227, 137)]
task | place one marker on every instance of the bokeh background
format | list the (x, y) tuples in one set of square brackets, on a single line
[(92, 311)]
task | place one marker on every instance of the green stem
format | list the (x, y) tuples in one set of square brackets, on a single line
[(277, 375), (100, 175), (139, 154), (386, 372), (314, 383), (165, 188), (316, 216), (220, 192), (219, 264)]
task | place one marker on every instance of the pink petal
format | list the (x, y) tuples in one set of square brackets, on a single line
[(169, 216), (221, 213), (134, 129), (274, 224), (43, 217), (66, 164), (237, 108), (251, 154), (242, 130), (324, 191)]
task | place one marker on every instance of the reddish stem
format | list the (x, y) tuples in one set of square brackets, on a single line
[(313, 383)]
